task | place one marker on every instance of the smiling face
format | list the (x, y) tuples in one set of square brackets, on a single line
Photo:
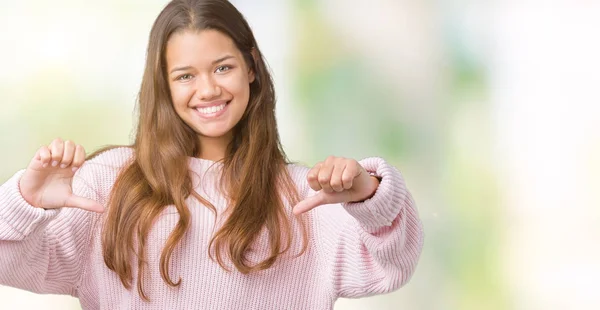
[(209, 83)]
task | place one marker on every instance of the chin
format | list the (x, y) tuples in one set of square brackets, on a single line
[(213, 134)]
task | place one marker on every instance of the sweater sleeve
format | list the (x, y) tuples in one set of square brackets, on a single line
[(372, 247), (42, 250)]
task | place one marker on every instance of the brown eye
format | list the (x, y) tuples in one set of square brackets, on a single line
[(221, 69), (184, 77)]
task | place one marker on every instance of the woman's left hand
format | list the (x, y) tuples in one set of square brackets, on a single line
[(337, 180)]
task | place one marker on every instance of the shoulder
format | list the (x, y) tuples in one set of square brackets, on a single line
[(297, 171), (100, 171), (116, 157), (295, 168)]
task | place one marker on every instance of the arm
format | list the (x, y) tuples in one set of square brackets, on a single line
[(42, 250), (372, 247)]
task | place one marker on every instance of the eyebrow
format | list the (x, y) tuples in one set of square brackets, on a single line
[(190, 67)]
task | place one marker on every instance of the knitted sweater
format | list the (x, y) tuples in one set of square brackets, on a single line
[(354, 249)]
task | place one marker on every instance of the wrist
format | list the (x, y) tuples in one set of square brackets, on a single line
[(373, 184), (375, 180)]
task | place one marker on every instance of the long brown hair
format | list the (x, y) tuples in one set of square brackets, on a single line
[(254, 171)]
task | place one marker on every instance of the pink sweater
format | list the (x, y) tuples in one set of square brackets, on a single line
[(355, 250)]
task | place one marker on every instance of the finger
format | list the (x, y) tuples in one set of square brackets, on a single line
[(309, 203), (79, 157), (84, 203), (36, 160), (56, 149), (68, 154), (336, 177), (325, 175), (313, 177), (45, 156), (350, 173)]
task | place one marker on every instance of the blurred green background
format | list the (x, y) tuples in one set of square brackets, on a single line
[(489, 108)]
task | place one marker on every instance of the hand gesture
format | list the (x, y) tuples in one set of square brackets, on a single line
[(47, 182), (337, 180)]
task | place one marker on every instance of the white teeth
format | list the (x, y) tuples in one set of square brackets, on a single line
[(211, 110)]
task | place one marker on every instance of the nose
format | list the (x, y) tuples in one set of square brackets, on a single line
[(207, 89)]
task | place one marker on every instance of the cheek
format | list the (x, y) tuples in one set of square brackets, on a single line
[(238, 85), (180, 95)]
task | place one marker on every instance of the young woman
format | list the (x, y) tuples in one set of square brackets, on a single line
[(204, 211)]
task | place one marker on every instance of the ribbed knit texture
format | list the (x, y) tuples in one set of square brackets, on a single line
[(355, 250)]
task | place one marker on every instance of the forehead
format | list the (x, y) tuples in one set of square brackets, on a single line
[(199, 47)]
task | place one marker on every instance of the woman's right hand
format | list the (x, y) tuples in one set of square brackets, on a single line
[(47, 182)]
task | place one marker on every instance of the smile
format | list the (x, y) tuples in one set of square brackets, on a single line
[(214, 111)]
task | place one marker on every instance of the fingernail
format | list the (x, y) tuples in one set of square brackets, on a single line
[(54, 163), (74, 169), (45, 165), (63, 166)]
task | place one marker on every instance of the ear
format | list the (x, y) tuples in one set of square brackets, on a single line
[(251, 73)]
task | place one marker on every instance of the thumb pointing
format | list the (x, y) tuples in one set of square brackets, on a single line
[(309, 203), (84, 203)]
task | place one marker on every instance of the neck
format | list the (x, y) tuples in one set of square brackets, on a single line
[(213, 149)]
